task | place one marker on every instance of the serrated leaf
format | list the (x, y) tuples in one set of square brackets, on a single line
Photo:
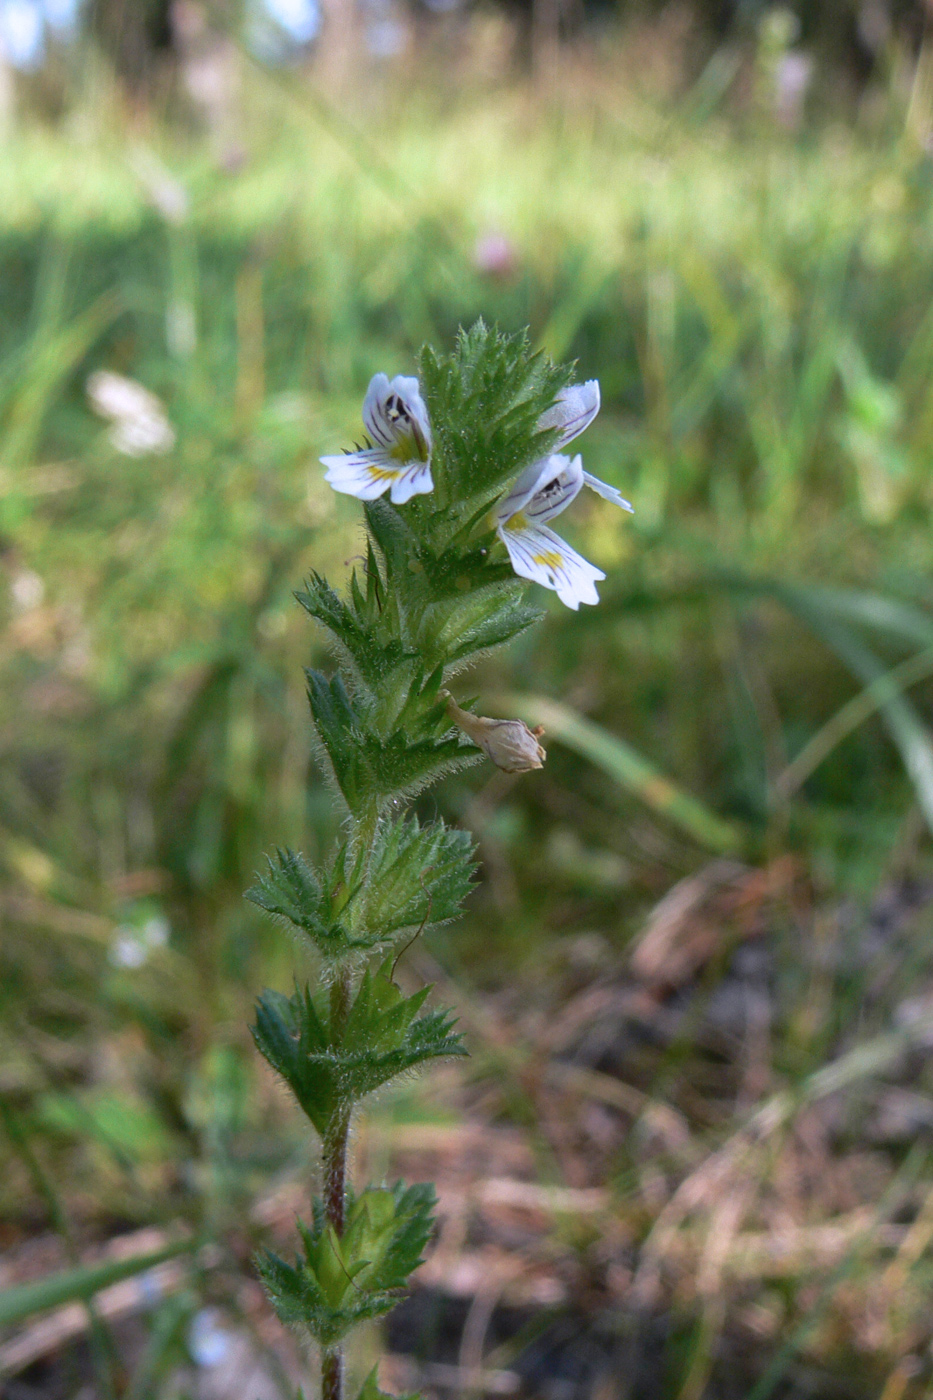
[(330, 1069), (485, 401), (355, 628), (418, 876), (291, 1035), (293, 892), (342, 1281), (367, 766)]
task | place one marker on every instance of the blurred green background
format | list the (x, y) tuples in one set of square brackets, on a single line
[(697, 975)]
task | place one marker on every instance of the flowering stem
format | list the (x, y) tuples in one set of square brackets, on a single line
[(429, 598)]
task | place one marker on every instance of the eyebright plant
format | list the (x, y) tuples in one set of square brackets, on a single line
[(460, 474)]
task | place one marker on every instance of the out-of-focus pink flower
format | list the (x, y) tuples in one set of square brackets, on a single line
[(495, 255)]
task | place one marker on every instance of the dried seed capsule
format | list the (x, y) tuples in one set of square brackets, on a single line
[(510, 744)]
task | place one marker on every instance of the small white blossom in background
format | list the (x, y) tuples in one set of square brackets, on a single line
[(22, 34), (131, 946), (510, 744), (27, 590), (544, 490), (399, 461), (139, 423), (209, 1339)]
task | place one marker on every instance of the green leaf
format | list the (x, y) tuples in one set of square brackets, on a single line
[(417, 876), (292, 891), (290, 1034), (73, 1285), (366, 765), (363, 644), (330, 1068), (371, 1390), (485, 401), (343, 1280)]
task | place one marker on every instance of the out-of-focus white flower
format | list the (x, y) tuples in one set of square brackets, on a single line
[(131, 944), (792, 78), (166, 194), (301, 19), (62, 15), (510, 744), (139, 424), (27, 590), (400, 459), (209, 1340)]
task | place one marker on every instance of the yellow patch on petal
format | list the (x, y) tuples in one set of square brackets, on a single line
[(381, 473), (548, 561), (407, 448)]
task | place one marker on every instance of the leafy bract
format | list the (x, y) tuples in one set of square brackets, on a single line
[(339, 1281), (331, 1065), (368, 766)]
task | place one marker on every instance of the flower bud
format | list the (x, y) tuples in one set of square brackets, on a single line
[(510, 744)]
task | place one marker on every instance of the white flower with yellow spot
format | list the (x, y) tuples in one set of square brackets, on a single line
[(545, 489), (399, 461)]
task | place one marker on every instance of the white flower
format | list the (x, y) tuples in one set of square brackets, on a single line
[(139, 424), (400, 459), (572, 412), (542, 491)]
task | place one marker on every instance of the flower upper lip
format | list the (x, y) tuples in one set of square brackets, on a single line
[(399, 461), (572, 411), (394, 410)]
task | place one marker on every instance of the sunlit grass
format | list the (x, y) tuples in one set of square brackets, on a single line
[(756, 307)]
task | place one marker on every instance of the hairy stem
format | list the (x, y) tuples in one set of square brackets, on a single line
[(332, 1374), (335, 1170), (335, 1151)]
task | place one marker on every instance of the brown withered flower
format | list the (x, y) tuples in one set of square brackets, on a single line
[(510, 744)]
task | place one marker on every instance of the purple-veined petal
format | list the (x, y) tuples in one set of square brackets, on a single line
[(365, 475), (573, 411), (396, 417), (543, 557), (543, 490), (412, 481)]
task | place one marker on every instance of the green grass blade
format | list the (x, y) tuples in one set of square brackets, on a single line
[(904, 725), (80, 1284), (849, 717), (628, 767)]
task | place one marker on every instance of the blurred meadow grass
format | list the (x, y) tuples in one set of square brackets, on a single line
[(756, 305)]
